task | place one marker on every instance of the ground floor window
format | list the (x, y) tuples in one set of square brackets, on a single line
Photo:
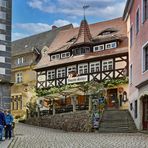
[(16, 103), (136, 108), (145, 58)]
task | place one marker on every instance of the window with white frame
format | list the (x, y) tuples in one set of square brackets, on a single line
[(2, 47), (2, 37), (55, 57), (50, 74), (3, 3), (111, 45), (71, 69), (61, 73), (145, 10), (65, 55), (145, 58), (98, 48), (19, 77), (2, 59), (83, 69), (2, 71), (2, 15), (94, 67), (131, 74), (137, 21), (20, 60), (2, 26), (107, 65)]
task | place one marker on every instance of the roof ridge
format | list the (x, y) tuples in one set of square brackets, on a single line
[(38, 34)]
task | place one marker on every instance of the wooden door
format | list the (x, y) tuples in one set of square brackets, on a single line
[(112, 98), (145, 113)]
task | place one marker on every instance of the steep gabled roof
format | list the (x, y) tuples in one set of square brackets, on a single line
[(61, 42), (64, 41), (40, 40)]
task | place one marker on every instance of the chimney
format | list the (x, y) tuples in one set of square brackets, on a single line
[(54, 27)]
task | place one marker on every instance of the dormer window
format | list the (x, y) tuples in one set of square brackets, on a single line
[(72, 40), (80, 51), (55, 57), (107, 31), (65, 55), (111, 45), (98, 48)]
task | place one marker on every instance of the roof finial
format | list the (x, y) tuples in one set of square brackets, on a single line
[(85, 7)]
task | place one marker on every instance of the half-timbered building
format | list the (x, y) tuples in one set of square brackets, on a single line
[(95, 52)]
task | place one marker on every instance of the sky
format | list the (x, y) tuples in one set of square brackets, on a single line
[(30, 17)]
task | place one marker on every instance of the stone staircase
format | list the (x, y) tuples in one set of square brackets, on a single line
[(117, 121)]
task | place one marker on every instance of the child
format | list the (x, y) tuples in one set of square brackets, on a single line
[(9, 121)]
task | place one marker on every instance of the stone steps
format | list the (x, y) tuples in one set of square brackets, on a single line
[(118, 121)]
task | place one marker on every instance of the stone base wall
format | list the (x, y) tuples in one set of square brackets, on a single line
[(72, 122)]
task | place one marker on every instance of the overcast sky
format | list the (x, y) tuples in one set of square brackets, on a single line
[(35, 16)]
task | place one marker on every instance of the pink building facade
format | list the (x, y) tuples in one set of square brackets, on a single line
[(136, 16)]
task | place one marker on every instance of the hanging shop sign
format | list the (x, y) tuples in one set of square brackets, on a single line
[(77, 79)]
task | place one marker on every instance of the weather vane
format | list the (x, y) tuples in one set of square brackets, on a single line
[(85, 7)]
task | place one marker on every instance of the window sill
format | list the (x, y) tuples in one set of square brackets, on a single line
[(145, 71)]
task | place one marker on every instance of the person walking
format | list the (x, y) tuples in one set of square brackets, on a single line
[(2, 123), (9, 121)]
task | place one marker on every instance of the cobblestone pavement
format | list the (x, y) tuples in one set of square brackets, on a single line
[(38, 137)]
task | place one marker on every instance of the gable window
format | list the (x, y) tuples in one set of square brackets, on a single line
[(2, 26), (2, 37), (111, 45), (2, 15), (20, 60), (71, 69), (2, 71), (55, 57), (145, 10), (65, 55), (145, 58), (51, 74), (19, 78), (107, 65), (3, 3), (2, 59), (131, 36), (2, 47), (83, 69), (94, 67), (98, 48), (137, 21), (61, 73)]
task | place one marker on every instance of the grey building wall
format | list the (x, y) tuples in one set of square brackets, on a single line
[(5, 52)]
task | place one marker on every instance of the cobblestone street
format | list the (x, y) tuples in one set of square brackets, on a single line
[(38, 137)]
